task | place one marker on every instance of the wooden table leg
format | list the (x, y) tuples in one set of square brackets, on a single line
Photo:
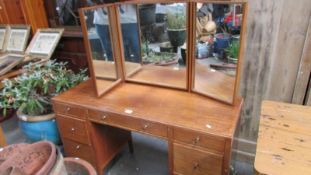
[(2, 138), (130, 145)]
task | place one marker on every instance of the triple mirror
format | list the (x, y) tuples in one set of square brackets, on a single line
[(190, 46)]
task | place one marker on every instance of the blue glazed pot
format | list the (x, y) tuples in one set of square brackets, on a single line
[(222, 41), (38, 128)]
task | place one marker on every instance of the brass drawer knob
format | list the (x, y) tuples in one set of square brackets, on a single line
[(196, 165), (103, 117), (73, 129), (68, 109), (196, 140), (77, 147)]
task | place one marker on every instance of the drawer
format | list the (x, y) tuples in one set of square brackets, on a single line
[(129, 123), (69, 110), (195, 161), (199, 139), (75, 149), (73, 129)]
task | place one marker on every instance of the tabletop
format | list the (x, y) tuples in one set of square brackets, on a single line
[(171, 107), (284, 139)]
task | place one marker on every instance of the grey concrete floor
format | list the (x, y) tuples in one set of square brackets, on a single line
[(150, 155)]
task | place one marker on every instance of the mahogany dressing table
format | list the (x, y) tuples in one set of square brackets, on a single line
[(192, 106), (199, 130)]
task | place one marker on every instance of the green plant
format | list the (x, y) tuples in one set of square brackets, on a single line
[(176, 21), (33, 90), (233, 50)]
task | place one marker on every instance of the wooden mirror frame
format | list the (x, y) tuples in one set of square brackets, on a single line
[(114, 46), (235, 92), (117, 43)]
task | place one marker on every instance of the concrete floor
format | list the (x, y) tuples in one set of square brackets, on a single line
[(150, 154)]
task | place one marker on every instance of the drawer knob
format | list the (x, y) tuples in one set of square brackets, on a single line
[(68, 109), (73, 129), (104, 117), (196, 165), (196, 140), (77, 147)]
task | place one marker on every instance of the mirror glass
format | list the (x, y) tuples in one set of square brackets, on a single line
[(154, 43), (100, 48), (218, 28)]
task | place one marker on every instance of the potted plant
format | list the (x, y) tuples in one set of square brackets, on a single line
[(233, 52), (31, 95), (176, 28)]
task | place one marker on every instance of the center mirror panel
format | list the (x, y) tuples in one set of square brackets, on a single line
[(154, 43), (217, 45), (100, 48)]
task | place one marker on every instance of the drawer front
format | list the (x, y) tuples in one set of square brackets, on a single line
[(196, 162), (75, 149), (73, 129), (129, 123), (72, 111), (199, 139)]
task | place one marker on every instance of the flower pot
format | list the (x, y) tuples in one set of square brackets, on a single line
[(232, 60), (222, 42), (167, 47), (177, 37), (147, 14), (37, 158), (10, 150), (59, 166), (78, 166), (38, 128)]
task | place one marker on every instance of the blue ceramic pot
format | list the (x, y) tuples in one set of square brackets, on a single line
[(38, 128), (222, 41)]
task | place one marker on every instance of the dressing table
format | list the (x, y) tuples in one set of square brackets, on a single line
[(192, 106), (199, 130)]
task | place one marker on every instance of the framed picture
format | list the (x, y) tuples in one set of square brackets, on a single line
[(2, 36), (44, 42), (18, 37), (9, 62)]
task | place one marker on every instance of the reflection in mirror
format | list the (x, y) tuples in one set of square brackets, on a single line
[(218, 29), (154, 41), (98, 31)]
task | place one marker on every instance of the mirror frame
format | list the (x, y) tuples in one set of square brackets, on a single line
[(138, 2), (87, 45), (117, 43), (241, 49)]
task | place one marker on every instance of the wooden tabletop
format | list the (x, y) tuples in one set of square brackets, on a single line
[(176, 108), (284, 139)]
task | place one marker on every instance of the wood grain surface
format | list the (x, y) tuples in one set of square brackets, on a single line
[(274, 45), (164, 106), (284, 139)]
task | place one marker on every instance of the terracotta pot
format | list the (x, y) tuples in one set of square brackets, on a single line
[(37, 158), (10, 150), (12, 171), (76, 166)]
